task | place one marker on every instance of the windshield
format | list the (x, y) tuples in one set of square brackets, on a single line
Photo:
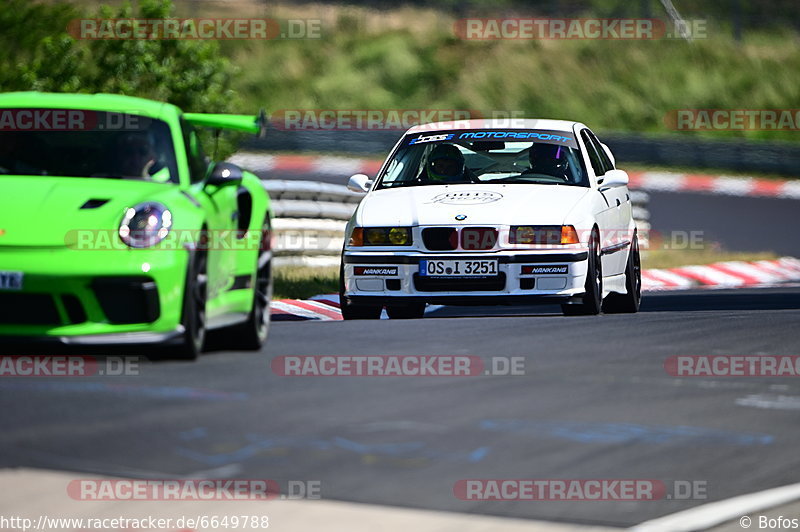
[(78, 143), (491, 156)]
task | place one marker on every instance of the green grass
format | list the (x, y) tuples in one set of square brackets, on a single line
[(409, 58), (674, 258), (304, 282)]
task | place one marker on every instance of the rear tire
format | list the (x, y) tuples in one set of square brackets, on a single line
[(409, 311), (352, 311), (628, 303), (592, 299)]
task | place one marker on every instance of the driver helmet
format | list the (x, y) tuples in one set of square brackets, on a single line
[(550, 159), (445, 163)]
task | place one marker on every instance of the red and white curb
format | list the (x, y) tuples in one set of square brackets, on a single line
[(732, 274), (655, 181), (320, 308), (711, 184)]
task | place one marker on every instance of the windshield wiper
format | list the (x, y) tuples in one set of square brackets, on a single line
[(398, 184)]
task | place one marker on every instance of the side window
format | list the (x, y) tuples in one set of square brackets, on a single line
[(607, 164), (591, 151), (194, 153)]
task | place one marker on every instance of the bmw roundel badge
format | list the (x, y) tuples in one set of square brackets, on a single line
[(461, 217)]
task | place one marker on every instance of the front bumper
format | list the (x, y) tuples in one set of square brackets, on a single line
[(391, 277), (93, 296)]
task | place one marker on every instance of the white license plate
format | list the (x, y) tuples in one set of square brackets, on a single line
[(10, 280), (458, 268)]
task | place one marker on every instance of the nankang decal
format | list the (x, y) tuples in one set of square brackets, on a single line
[(517, 135), (473, 197), (375, 270), (545, 270), (431, 138)]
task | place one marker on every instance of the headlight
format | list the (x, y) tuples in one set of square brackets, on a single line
[(543, 234), (145, 225), (381, 236)]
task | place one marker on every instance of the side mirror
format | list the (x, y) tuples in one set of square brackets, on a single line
[(224, 174), (359, 183), (614, 178), (608, 152)]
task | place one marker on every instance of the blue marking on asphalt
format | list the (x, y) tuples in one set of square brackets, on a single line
[(411, 449), (478, 454), (193, 434), (392, 449), (161, 392), (588, 432)]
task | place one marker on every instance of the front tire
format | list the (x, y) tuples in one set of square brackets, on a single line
[(592, 300), (195, 294), (628, 303)]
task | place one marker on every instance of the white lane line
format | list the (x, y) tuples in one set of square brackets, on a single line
[(770, 401), (716, 513)]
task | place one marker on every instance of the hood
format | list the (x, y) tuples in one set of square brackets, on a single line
[(41, 211), (490, 205)]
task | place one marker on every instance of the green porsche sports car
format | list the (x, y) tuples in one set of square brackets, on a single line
[(115, 228)]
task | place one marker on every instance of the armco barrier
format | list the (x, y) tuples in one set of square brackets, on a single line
[(310, 219)]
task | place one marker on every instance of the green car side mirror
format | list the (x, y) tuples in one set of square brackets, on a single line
[(224, 174)]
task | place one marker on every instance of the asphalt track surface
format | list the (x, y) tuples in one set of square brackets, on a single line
[(595, 402)]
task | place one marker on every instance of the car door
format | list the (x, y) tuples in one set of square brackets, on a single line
[(610, 218), (619, 196), (219, 204)]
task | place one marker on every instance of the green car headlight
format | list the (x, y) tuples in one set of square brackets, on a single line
[(145, 225)]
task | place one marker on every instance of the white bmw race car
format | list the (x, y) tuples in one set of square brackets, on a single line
[(482, 213)]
